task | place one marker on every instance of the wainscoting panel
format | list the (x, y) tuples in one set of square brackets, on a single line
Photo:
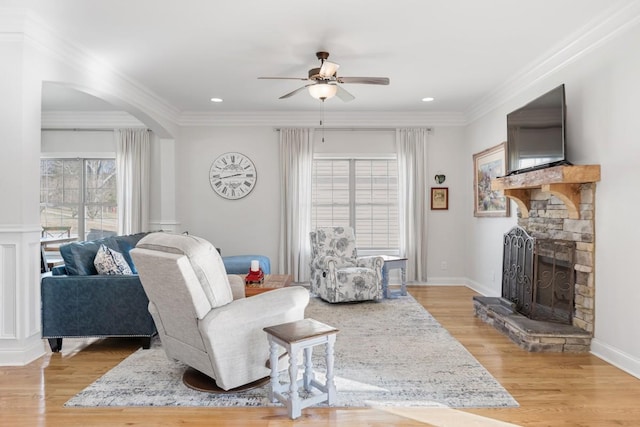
[(20, 340), (8, 291)]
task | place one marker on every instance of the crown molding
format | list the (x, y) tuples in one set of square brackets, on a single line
[(89, 120), (18, 23), (332, 119), (122, 119), (105, 80), (611, 24)]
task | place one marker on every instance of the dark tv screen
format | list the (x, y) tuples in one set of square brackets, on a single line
[(536, 133)]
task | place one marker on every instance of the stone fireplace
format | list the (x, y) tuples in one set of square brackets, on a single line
[(547, 299)]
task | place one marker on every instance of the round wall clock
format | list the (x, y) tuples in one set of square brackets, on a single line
[(232, 175)]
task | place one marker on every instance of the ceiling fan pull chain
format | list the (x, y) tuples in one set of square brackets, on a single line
[(322, 120)]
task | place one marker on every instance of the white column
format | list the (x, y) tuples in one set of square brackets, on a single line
[(163, 187), (20, 106)]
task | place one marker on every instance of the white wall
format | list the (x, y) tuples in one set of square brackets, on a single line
[(603, 121), (446, 146), (251, 224), (69, 143), (484, 245), (374, 142), (246, 226), (446, 241)]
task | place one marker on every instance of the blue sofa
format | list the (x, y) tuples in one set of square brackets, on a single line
[(78, 302)]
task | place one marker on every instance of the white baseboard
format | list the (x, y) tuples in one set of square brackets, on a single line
[(446, 281), (22, 353), (479, 288), (616, 357), (454, 281)]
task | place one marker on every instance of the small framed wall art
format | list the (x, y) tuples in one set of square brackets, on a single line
[(439, 198), (487, 165)]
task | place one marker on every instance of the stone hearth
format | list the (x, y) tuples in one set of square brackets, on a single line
[(529, 334)]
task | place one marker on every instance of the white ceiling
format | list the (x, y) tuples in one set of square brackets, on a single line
[(187, 51)]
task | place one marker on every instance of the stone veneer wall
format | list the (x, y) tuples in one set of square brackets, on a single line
[(549, 219)]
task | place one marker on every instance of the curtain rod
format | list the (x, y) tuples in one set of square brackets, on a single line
[(88, 129), (357, 129)]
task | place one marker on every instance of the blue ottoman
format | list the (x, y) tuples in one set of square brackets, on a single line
[(240, 264)]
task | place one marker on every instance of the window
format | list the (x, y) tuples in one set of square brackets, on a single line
[(78, 197), (362, 193)]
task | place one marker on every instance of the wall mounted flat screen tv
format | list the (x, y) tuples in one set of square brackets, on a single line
[(536, 133)]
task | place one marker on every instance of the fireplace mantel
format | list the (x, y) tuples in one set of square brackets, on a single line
[(561, 181)]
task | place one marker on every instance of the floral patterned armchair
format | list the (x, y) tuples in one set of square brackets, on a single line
[(337, 274)]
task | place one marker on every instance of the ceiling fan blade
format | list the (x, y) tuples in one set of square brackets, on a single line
[(282, 78), (290, 94), (328, 69), (365, 80), (344, 95)]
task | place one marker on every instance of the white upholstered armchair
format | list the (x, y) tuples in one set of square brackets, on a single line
[(201, 321), (337, 273)]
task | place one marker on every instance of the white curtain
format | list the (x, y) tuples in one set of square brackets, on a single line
[(133, 164), (411, 147), (296, 162)]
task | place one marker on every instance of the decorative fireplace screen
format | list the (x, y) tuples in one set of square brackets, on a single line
[(538, 276)]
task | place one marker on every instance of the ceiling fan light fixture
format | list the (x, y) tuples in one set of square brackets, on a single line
[(323, 83), (323, 91)]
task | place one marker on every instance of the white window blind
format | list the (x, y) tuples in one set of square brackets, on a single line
[(362, 193)]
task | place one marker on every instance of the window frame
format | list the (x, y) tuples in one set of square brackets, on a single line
[(82, 203), (352, 158)]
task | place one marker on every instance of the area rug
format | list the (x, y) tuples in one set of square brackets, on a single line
[(391, 352)]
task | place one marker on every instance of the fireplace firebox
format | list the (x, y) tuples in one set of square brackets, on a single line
[(538, 276)]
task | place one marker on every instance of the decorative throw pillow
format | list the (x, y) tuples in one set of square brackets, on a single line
[(108, 261)]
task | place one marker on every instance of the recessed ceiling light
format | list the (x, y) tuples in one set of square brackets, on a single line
[(216, 99), (427, 99)]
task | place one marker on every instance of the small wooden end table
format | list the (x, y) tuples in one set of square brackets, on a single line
[(293, 337), (271, 282), (391, 262)]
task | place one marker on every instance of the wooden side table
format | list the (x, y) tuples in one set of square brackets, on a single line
[(271, 282), (391, 262), (295, 336)]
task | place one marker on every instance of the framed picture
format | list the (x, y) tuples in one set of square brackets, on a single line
[(487, 165), (439, 198)]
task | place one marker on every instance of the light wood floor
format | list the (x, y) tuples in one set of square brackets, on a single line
[(552, 389)]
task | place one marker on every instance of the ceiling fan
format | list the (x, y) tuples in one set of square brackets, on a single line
[(325, 83)]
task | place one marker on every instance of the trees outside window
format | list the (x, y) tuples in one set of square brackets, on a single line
[(79, 195)]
